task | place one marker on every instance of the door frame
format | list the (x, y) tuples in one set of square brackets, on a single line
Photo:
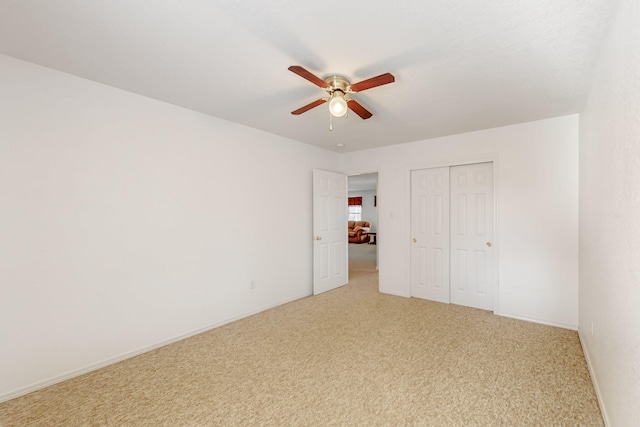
[(460, 161), (378, 229)]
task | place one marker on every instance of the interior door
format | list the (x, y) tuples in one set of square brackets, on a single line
[(452, 221), (430, 231), (329, 231), (472, 272)]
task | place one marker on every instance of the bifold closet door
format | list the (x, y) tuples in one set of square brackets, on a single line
[(471, 235), (452, 222), (430, 234)]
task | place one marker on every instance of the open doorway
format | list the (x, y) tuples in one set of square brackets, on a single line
[(363, 224)]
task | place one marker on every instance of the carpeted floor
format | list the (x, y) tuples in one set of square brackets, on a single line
[(349, 357)]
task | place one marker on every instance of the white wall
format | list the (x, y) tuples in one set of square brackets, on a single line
[(126, 222), (610, 221), (368, 209), (537, 207)]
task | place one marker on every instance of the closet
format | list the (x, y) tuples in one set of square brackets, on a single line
[(452, 230)]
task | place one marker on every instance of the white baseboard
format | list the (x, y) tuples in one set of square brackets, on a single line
[(42, 384), (594, 380), (542, 322)]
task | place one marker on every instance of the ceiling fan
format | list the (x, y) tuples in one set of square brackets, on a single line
[(337, 87)]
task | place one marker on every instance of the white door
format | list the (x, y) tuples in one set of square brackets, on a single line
[(430, 231), (329, 231), (472, 272), (452, 221)]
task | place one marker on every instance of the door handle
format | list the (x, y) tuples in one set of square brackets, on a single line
[(414, 240), (488, 244), (318, 238)]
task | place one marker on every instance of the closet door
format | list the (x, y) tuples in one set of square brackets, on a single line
[(471, 236), (452, 219), (430, 234)]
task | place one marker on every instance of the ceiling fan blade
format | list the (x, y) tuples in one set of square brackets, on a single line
[(308, 107), (380, 80), (307, 75), (359, 109)]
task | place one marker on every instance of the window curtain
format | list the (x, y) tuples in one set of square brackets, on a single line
[(355, 201)]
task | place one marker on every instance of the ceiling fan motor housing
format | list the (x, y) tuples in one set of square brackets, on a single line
[(340, 83)]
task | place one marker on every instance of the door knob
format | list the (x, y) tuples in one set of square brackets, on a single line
[(318, 238), (488, 244), (414, 240)]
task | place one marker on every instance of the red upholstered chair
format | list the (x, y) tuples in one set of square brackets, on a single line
[(358, 231)]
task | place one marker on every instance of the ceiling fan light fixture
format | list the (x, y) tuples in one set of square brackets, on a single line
[(337, 86), (337, 104)]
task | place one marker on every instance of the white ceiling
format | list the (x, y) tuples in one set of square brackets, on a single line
[(460, 65), (363, 182)]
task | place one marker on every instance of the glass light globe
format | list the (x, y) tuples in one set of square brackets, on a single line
[(337, 104)]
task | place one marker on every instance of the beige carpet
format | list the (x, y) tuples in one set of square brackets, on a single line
[(349, 357)]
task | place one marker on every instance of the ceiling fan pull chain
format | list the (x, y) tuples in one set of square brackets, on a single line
[(330, 124)]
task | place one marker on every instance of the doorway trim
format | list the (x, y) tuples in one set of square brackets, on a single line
[(459, 161), (365, 172)]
